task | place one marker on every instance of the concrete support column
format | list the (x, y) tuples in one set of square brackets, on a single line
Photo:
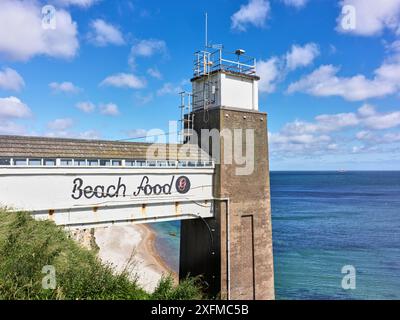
[(247, 270)]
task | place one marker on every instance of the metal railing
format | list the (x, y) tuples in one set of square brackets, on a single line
[(110, 163), (206, 62), (187, 117)]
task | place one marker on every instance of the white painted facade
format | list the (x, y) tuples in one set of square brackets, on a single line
[(112, 195), (225, 89)]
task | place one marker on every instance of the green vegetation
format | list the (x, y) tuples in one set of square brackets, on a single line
[(27, 245)]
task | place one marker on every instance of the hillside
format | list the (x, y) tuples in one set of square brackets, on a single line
[(26, 246)]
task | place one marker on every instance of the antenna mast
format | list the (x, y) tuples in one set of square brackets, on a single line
[(206, 31)]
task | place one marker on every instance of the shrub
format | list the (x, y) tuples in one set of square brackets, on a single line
[(26, 245), (189, 288)]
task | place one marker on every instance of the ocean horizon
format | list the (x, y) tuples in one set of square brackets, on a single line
[(321, 222)]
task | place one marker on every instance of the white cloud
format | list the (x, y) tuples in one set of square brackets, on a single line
[(324, 82), (12, 107), (269, 73), (66, 133), (305, 144), (380, 121), (168, 88), (299, 139), (171, 88), (136, 133), (11, 128), (11, 80), (60, 124), (66, 87), (326, 134), (366, 116), (109, 109), (155, 73), (124, 80), (89, 134), (28, 38), (310, 138), (334, 136), (388, 73), (144, 99), (78, 3), (361, 135), (372, 16), (394, 51), (295, 3), (253, 13), (366, 110), (334, 122), (147, 48), (301, 56), (323, 124), (103, 33), (333, 146), (373, 138), (275, 69), (391, 137), (86, 106)]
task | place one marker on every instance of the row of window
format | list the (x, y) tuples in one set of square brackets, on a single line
[(101, 162)]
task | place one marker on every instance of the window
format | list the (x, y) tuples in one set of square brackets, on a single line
[(93, 163), (140, 163), (151, 163), (49, 162), (35, 162), (162, 163), (182, 163), (20, 162), (172, 163), (79, 162), (5, 162), (117, 163), (105, 163), (130, 163), (66, 162)]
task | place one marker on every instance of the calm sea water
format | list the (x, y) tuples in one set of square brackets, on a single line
[(321, 222)]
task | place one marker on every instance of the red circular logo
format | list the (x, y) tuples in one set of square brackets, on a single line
[(182, 184)]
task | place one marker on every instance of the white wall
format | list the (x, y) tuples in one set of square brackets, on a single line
[(231, 91), (47, 193), (237, 92)]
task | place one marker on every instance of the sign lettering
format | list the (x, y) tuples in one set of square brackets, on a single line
[(145, 188)]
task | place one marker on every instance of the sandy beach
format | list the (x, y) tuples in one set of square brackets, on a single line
[(121, 244)]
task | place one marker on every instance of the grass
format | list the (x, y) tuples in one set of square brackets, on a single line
[(27, 245)]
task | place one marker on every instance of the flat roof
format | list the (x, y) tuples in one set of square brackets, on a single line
[(234, 73), (45, 147)]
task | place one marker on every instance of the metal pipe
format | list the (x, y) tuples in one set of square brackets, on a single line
[(206, 35)]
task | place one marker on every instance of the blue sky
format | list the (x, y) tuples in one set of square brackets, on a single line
[(113, 69)]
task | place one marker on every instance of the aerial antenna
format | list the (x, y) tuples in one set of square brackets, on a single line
[(209, 44), (206, 29)]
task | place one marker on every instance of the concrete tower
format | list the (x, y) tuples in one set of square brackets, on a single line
[(233, 250)]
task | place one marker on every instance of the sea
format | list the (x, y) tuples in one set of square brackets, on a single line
[(336, 235)]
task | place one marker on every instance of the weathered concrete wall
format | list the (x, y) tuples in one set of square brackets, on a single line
[(251, 257)]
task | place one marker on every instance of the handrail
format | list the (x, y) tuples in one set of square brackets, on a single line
[(107, 163), (206, 62)]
